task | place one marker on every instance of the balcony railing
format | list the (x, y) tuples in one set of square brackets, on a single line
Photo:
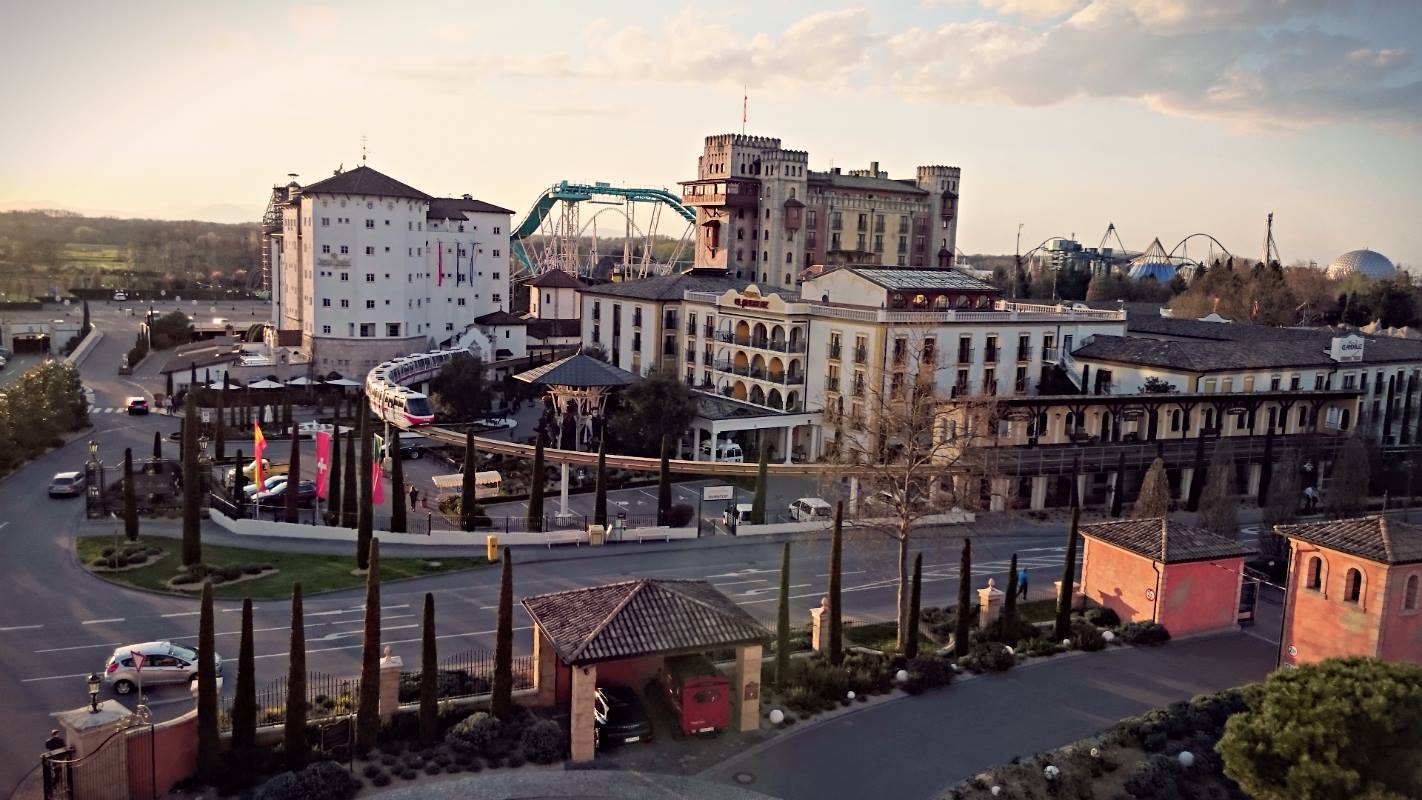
[(1049, 355), (965, 355), (759, 343), (900, 356), (708, 331), (929, 356), (1024, 353), (858, 389), (990, 355), (690, 329), (861, 355), (834, 350), (690, 357), (761, 374), (832, 383)]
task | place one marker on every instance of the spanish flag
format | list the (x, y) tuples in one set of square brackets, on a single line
[(259, 446)]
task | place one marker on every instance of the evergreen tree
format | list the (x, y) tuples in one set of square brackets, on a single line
[(1219, 505), (1348, 489), (291, 495), (294, 730), (1154, 499), (349, 496), (1064, 597), (1283, 505), (239, 482), (209, 742), (836, 581), (429, 676), (664, 492), (1197, 476), (192, 487), (85, 326), (915, 597), (130, 500), (534, 520), (1266, 470), (782, 622), (244, 702), (333, 479), (1009, 609), (368, 707), (761, 481), (219, 434), (600, 490), (469, 485), (157, 446), (501, 703), (168, 385), (397, 487), (964, 633), (1118, 489), (365, 519)]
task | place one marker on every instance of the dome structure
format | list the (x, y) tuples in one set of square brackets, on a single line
[(1368, 263), (1154, 263)]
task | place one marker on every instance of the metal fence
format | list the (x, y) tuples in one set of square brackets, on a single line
[(466, 674), (327, 697)]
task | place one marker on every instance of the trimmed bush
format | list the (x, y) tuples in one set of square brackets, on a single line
[(542, 742), (516, 759), (1102, 617), (371, 770), (1143, 633), (990, 657), (383, 779), (478, 733), (927, 672), (252, 569), (1085, 636), (323, 780), (1158, 778)]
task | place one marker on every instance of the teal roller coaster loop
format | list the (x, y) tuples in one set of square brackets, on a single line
[(567, 192)]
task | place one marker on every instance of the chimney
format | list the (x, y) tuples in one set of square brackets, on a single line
[(874, 168)]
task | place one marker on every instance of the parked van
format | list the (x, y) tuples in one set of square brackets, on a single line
[(740, 514), (811, 509), (725, 451)]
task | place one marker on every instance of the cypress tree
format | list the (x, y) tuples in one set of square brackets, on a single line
[(294, 731), (368, 707), (291, 495), (239, 481), (600, 491), (1266, 469), (1064, 597), (782, 622), (168, 384), (836, 581), (429, 676), (85, 325), (664, 492), (130, 500), (761, 479), (963, 634), (1009, 609), (1154, 497), (365, 518), (398, 523), (348, 492), (244, 703), (534, 521), (333, 479), (1197, 477), (157, 446), (209, 743), (219, 434), (469, 485), (1119, 489), (501, 704), (192, 487), (915, 596)]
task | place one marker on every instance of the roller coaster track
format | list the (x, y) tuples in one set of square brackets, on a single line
[(564, 191)]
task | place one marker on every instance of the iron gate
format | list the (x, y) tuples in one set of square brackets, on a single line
[(122, 766)]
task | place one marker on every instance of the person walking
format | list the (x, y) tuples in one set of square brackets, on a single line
[(1022, 583), (414, 497), (55, 741)]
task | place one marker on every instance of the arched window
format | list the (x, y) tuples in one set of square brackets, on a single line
[(1352, 585), (940, 303), (1409, 594), (1315, 573)]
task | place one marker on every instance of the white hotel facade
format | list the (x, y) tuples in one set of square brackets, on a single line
[(366, 268)]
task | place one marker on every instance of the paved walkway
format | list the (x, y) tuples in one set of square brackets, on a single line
[(918, 747)]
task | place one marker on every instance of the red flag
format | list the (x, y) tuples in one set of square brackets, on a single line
[(259, 447), (377, 490), (439, 281), (323, 462)]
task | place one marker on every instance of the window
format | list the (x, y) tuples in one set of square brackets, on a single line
[(325, 248), (370, 277), (370, 223), (370, 251), (345, 250), (345, 304), (370, 304), (392, 329), (345, 276), (1315, 573), (1294, 383), (367, 329), (325, 328), (497, 298), (461, 301), (1352, 585), (497, 230), (325, 222), (1409, 594), (325, 302)]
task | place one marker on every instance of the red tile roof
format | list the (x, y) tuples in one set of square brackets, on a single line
[(1166, 541), (1374, 538)]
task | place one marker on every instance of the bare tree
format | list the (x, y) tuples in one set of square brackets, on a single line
[(1154, 499), (912, 452)]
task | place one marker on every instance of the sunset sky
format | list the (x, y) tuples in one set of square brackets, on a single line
[(1166, 117)]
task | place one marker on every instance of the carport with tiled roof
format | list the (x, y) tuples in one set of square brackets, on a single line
[(624, 631)]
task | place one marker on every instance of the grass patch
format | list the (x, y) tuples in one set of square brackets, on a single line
[(317, 573), (1038, 610), (882, 636)]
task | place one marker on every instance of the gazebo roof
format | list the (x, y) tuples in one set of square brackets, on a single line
[(576, 370), (640, 618), (1165, 541)]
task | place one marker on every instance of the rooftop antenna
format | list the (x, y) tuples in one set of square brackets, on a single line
[(363, 152), (745, 106), (1271, 247)]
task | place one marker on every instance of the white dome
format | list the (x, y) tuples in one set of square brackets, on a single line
[(1368, 263)]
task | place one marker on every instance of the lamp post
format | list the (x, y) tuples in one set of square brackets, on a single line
[(94, 485), (93, 682)]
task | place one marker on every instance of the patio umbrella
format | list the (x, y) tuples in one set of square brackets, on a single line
[(301, 380), (231, 384), (341, 382), (264, 384)]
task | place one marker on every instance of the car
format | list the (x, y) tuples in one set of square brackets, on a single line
[(619, 716), (163, 663), (3, 362), (275, 496), (120, 296), (411, 451), (137, 405), (268, 469), (811, 509), (250, 489), (67, 484)]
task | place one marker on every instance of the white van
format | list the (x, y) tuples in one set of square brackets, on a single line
[(725, 451), (740, 515), (811, 509)]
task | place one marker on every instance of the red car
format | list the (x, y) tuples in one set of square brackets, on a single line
[(699, 693)]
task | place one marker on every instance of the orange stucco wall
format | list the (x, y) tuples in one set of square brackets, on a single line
[(165, 756), (1321, 625), (1199, 597)]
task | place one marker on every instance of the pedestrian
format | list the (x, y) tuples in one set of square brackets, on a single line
[(55, 741), (414, 496), (1022, 583), (1310, 498)]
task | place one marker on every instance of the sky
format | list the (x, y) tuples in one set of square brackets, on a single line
[(1164, 117)]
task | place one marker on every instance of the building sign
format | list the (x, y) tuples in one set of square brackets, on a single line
[(1347, 348), (718, 493), (752, 691)]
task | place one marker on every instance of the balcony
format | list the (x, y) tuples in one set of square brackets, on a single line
[(857, 389), (965, 355), (900, 356), (861, 355), (691, 329), (1024, 353), (832, 383), (928, 357), (775, 345), (834, 350), (708, 331), (690, 357), (733, 193), (1049, 355), (990, 355), (758, 374)]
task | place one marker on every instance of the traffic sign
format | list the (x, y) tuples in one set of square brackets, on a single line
[(718, 493)]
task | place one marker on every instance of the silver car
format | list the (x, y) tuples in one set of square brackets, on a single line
[(66, 484), (163, 663)]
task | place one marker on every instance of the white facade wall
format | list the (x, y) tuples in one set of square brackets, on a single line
[(612, 323), (554, 302)]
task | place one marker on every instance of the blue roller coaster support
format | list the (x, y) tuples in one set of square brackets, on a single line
[(579, 192)]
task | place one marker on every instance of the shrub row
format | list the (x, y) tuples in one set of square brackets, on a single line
[(196, 573)]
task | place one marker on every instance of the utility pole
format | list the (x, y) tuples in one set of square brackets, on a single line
[(1017, 262)]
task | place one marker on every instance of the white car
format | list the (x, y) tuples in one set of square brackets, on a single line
[(163, 663), (811, 509), (251, 489), (309, 429)]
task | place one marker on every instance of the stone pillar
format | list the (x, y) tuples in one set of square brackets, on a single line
[(1187, 477), (84, 731), (390, 667), (545, 675), (1078, 598), (1039, 493), (563, 491), (580, 721), (998, 500), (1256, 472), (819, 626), (747, 687), (1081, 489), (788, 436), (695, 443), (990, 601), (853, 505)]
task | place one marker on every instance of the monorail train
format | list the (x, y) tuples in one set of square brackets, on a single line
[(394, 403)]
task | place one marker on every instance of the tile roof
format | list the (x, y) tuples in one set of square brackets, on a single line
[(1256, 350), (671, 287), (712, 406), (364, 180), (554, 328), (866, 183), (640, 617), (557, 279), (1166, 541), (454, 208), (1374, 538), (576, 370), (1377, 349), (499, 318), (927, 279)]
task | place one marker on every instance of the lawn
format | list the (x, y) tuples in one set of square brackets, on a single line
[(317, 573)]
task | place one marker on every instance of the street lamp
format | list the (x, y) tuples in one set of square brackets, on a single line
[(93, 682)]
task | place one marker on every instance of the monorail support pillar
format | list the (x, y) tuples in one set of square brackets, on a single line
[(563, 491)]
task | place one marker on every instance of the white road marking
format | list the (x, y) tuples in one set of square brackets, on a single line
[(757, 592), (845, 572), (55, 677), (20, 627), (398, 641), (735, 583), (3, 524), (101, 621), (181, 614), (230, 610), (78, 647)]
